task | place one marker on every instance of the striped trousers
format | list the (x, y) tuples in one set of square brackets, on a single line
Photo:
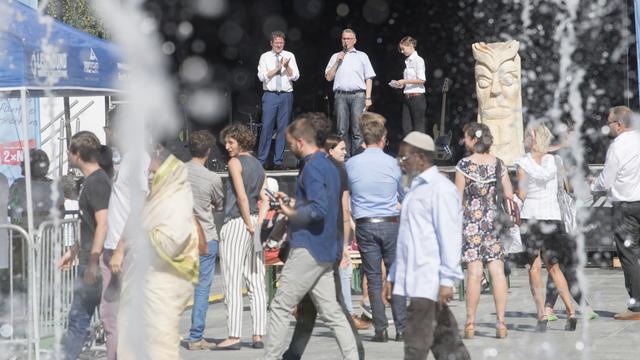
[(241, 262)]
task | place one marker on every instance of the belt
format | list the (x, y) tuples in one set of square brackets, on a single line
[(410, 95), (278, 92), (348, 91), (374, 220)]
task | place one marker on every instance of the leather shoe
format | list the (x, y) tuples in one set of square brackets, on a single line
[(627, 315), (360, 324), (380, 336), (399, 336), (234, 346)]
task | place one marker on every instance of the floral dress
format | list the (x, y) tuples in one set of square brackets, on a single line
[(479, 239)]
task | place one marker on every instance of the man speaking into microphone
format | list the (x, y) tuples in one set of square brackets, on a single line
[(352, 76)]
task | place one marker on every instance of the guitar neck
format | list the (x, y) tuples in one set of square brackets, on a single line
[(442, 113)]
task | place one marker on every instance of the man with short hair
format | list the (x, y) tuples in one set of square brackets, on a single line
[(277, 70), (206, 187), (307, 312), (314, 246), (376, 191), (620, 178), (84, 152), (352, 76), (429, 251)]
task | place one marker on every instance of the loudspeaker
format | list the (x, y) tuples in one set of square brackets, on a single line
[(289, 160)]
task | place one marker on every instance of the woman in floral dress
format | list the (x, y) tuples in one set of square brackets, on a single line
[(476, 182)]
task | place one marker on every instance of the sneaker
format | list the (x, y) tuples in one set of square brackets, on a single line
[(366, 311), (592, 315), (201, 344), (627, 315), (551, 316)]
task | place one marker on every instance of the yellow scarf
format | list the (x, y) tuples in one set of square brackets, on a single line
[(168, 219)]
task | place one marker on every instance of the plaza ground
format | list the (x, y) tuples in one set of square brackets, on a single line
[(604, 338)]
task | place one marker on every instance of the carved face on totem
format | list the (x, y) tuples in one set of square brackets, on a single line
[(497, 79), (498, 89)]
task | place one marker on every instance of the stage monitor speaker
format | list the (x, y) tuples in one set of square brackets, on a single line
[(289, 160), (179, 149)]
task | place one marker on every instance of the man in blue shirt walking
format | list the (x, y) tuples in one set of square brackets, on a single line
[(314, 246), (428, 255), (376, 192)]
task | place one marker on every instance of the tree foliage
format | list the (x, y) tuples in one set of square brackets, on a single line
[(79, 14)]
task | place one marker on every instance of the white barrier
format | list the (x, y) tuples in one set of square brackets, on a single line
[(49, 291), (27, 318), (55, 287)]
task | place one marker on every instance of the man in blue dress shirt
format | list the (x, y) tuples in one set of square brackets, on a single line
[(352, 76), (314, 246), (428, 255), (376, 192)]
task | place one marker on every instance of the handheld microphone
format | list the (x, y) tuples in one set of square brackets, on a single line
[(344, 50)]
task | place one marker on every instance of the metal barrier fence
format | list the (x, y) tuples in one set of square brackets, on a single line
[(55, 287), (48, 292), (17, 316)]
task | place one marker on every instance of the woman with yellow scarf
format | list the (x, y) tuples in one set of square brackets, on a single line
[(160, 272)]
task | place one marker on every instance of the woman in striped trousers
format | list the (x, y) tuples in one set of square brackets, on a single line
[(241, 258)]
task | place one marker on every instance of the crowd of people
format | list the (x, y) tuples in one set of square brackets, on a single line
[(424, 233), (149, 240)]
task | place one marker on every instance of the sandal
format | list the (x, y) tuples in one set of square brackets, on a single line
[(501, 330), (572, 322), (469, 331), (541, 326)]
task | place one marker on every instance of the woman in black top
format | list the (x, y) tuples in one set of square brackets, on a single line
[(240, 256)]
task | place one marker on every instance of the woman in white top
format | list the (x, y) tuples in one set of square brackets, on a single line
[(477, 179), (414, 105), (543, 232)]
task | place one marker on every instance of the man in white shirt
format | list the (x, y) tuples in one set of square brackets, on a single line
[(414, 105), (277, 70), (352, 76), (620, 178), (428, 254), (132, 174)]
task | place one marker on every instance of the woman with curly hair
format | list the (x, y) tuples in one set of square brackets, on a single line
[(240, 257), (477, 179)]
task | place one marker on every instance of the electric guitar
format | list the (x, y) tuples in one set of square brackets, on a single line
[(443, 138)]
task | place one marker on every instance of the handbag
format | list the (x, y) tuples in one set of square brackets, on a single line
[(511, 240), (565, 200), (507, 211)]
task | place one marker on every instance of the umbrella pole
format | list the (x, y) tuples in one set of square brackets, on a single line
[(33, 306)]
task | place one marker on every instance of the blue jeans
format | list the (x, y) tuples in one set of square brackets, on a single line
[(276, 110), (86, 299), (201, 293), (345, 284), (348, 109), (377, 243)]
